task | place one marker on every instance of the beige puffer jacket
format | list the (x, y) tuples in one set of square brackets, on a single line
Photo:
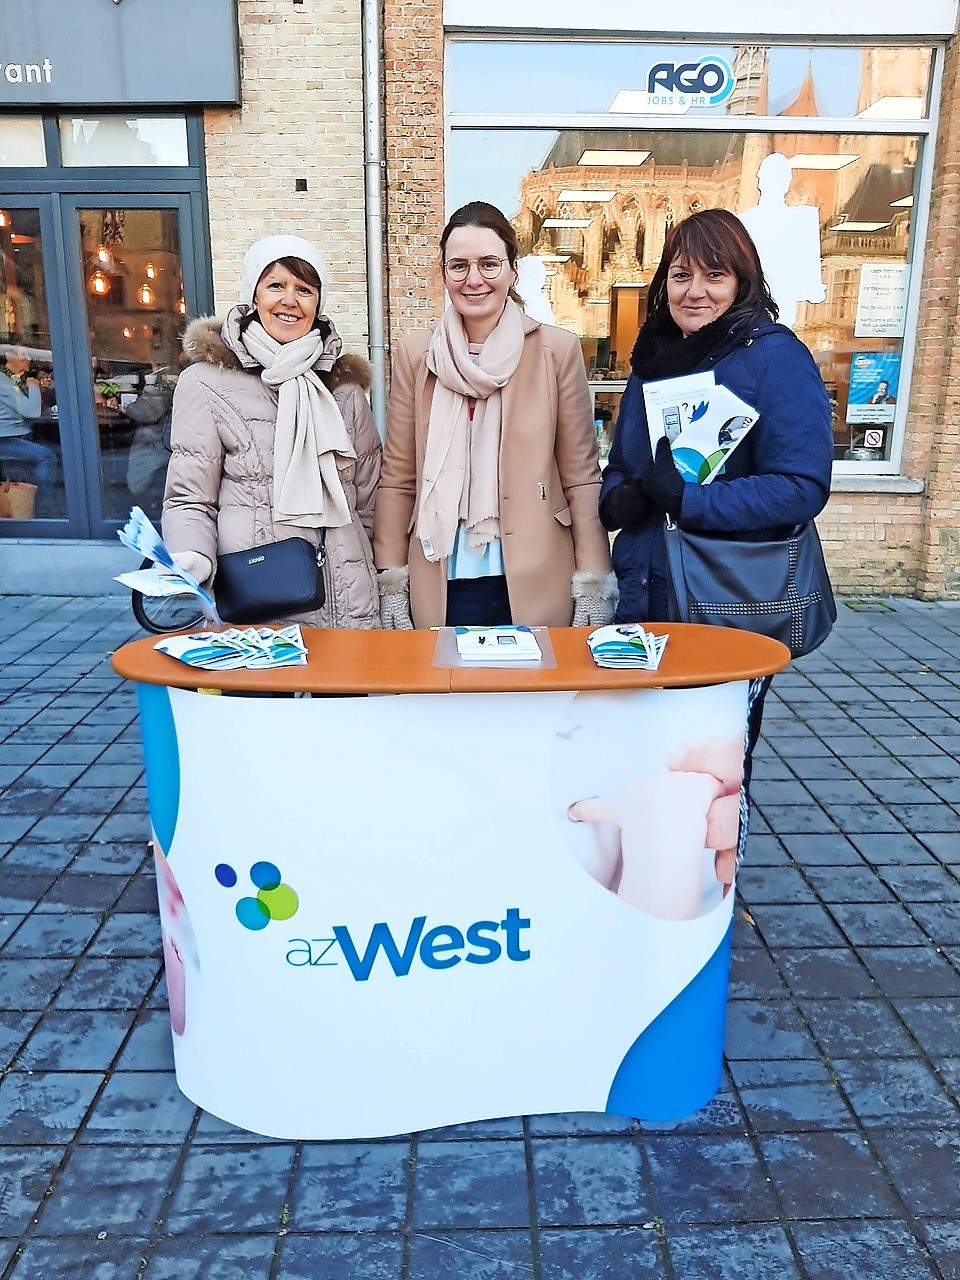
[(219, 490)]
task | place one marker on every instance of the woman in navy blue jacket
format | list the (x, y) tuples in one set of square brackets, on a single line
[(709, 308)]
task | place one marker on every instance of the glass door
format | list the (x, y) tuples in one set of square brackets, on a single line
[(94, 297), (133, 283)]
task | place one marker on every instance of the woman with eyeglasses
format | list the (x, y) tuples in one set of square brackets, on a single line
[(487, 508)]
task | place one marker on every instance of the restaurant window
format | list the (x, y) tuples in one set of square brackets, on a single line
[(104, 259), (21, 142), (822, 152), (123, 141)]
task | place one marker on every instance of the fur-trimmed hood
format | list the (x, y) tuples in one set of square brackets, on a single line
[(202, 344)]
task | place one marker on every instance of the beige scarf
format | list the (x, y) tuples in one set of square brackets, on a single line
[(311, 440), (461, 461)]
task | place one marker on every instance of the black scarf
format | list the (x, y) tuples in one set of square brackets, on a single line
[(661, 350)]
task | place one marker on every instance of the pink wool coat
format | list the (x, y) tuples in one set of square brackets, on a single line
[(219, 490), (549, 480)]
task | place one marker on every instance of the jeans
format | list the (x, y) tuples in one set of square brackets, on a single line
[(35, 463)]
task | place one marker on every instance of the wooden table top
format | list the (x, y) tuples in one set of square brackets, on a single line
[(359, 662)]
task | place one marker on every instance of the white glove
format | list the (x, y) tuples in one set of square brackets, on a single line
[(192, 562), (394, 586), (595, 597)]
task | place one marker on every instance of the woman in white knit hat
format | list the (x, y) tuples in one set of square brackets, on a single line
[(272, 436)]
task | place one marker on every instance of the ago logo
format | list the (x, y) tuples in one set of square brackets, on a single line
[(706, 83)]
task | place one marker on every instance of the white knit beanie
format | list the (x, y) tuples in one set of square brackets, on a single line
[(264, 252)]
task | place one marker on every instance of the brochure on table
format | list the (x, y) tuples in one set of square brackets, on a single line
[(627, 646), (255, 648), (507, 646), (703, 420)]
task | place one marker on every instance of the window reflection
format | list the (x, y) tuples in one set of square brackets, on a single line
[(30, 464), (135, 315), (123, 141), (21, 142), (831, 215), (580, 76)]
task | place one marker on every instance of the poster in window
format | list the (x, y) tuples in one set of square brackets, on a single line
[(874, 383), (881, 300)]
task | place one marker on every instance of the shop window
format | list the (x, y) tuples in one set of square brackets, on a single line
[(122, 141), (21, 142), (832, 211)]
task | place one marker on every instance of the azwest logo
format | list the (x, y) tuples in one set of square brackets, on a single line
[(274, 899), (442, 947)]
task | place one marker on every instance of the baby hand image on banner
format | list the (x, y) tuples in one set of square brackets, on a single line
[(181, 959), (655, 820)]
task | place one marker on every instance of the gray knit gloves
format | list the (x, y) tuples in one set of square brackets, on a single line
[(595, 598), (394, 586)]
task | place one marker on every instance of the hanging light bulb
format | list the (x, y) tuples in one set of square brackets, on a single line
[(104, 257), (151, 271), (182, 307), (3, 218), (127, 331), (146, 295), (99, 283)]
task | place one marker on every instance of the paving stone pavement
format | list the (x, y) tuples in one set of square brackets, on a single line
[(832, 1150)]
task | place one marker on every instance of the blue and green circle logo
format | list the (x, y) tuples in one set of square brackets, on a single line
[(274, 900)]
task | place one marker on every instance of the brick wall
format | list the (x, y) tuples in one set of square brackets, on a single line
[(875, 542), (302, 117), (413, 142), (934, 422)]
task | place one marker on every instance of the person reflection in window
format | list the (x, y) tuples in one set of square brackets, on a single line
[(21, 458)]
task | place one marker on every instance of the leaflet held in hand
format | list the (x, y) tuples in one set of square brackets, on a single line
[(703, 420)]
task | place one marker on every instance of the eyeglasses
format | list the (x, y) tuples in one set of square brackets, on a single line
[(459, 268)]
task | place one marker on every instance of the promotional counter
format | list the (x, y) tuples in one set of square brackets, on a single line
[(446, 893)]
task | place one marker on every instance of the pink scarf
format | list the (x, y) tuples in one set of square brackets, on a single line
[(461, 462)]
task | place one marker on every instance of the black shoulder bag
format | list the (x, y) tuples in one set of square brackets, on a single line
[(779, 588), (274, 581)]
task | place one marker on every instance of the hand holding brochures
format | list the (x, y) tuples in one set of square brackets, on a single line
[(166, 578), (703, 421)]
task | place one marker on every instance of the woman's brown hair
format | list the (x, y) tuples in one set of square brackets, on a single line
[(718, 240), (480, 214)]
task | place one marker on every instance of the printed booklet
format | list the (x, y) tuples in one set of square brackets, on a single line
[(487, 645), (703, 420), (256, 648), (626, 645)]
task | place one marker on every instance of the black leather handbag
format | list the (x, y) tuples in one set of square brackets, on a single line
[(274, 581), (779, 588)]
